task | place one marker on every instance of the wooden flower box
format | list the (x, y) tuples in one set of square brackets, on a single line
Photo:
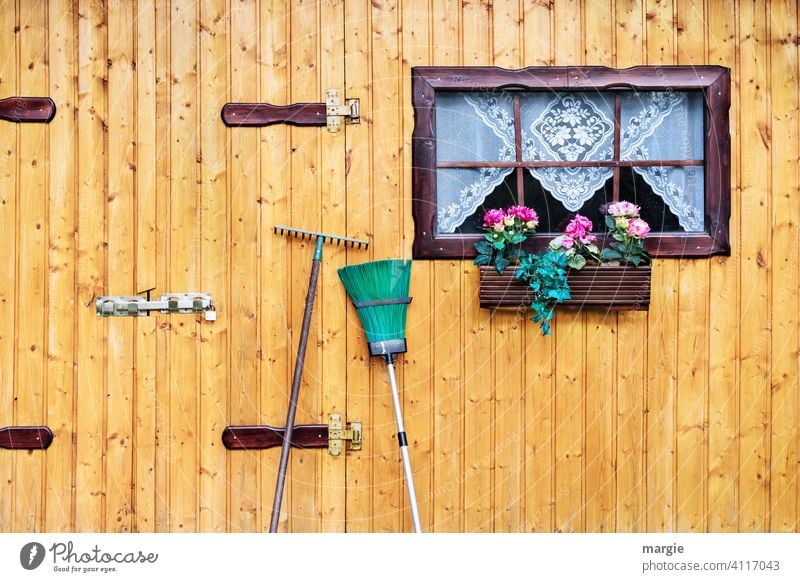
[(605, 287)]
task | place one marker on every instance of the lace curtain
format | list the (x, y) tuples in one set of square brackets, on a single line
[(575, 127)]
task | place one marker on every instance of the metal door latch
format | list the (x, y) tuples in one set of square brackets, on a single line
[(350, 111), (136, 306), (337, 434)]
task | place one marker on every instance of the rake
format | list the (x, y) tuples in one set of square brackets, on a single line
[(320, 239)]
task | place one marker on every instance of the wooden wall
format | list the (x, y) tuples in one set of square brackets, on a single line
[(684, 418)]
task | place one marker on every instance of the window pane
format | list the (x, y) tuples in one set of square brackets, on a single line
[(660, 125), (503, 196), (671, 198), (567, 127), (461, 191), (474, 127), (554, 216)]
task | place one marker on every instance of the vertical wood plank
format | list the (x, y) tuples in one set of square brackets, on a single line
[(183, 268), (333, 314), (390, 502), (724, 331), (214, 369), (163, 389), (785, 210), (601, 334), (276, 180), (32, 288), (145, 401), (447, 370), (569, 337), (244, 184), (8, 259), (537, 33), (302, 501), (478, 375), (539, 354), (121, 264), (61, 308), (358, 164), (662, 330), (567, 30), (691, 428), (91, 265), (418, 406), (756, 266)]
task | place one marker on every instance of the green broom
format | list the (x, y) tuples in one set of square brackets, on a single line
[(379, 291)]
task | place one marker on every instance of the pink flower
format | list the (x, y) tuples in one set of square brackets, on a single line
[(567, 243), (638, 228), (524, 213), (579, 228), (623, 208), (588, 239), (494, 218)]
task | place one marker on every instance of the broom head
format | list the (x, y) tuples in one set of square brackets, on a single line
[(379, 291)]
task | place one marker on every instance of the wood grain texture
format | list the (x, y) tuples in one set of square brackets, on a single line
[(756, 268), (91, 356), (120, 266), (276, 182), (333, 319), (784, 277), (418, 382), (184, 267), (214, 259), (724, 330), (244, 283), (359, 169), (61, 315), (32, 267), (145, 405), (302, 504), (8, 260), (682, 418)]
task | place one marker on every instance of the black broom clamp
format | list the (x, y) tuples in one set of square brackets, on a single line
[(320, 238)]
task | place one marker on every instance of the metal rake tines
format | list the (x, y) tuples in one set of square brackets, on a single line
[(312, 235)]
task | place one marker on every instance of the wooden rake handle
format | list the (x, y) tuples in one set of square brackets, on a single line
[(27, 109), (261, 114), (26, 437), (304, 436)]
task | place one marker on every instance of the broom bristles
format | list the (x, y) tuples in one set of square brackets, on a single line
[(387, 279)]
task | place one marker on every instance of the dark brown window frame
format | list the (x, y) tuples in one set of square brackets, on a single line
[(713, 81)]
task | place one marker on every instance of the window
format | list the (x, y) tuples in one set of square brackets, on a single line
[(566, 141)]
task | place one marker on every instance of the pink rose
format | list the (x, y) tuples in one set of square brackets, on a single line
[(524, 213), (623, 208), (494, 218), (638, 228), (579, 227)]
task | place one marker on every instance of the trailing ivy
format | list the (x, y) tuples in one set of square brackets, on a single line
[(546, 275)]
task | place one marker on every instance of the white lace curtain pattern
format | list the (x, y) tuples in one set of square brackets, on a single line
[(574, 127)]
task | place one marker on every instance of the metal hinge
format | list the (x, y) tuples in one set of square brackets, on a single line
[(351, 111), (136, 306), (337, 434)]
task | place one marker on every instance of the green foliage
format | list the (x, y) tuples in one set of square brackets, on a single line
[(499, 249), (546, 274)]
